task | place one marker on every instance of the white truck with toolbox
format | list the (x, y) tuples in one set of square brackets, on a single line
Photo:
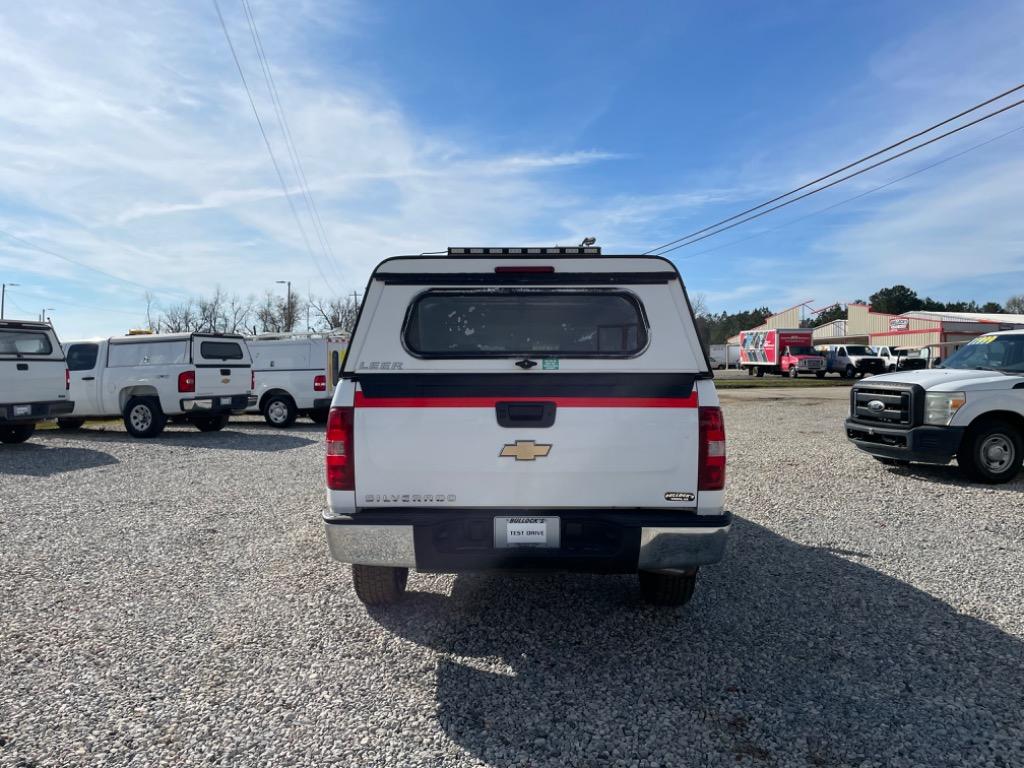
[(33, 378), (294, 375), (971, 408), (526, 408), (146, 379)]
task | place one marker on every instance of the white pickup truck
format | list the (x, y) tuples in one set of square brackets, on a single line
[(295, 375), (200, 377), (971, 407), (526, 408), (33, 378)]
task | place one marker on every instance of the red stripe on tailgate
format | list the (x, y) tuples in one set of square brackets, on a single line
[(362, 401)]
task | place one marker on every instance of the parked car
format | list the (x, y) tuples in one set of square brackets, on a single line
[(971, 408), (851, 360), (295, 375), (146, 379), (33, 378), (543, 408)]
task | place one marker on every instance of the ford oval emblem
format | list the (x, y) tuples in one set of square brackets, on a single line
[(876, 405)]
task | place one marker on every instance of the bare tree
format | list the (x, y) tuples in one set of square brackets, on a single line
[(152, 318), (180, 318), (278, 315), (1015, 305), (211, 311), (334, 313), (699, 302)]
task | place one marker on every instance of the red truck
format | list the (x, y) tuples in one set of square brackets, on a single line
[(784, 351)]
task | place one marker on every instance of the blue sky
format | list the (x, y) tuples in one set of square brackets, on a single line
[(127, 144)]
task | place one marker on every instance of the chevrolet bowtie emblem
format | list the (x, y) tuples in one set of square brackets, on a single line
[(525, 450)]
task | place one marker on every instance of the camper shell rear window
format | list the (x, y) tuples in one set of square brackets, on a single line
[(18, 343), (512, 322), (221, 350)]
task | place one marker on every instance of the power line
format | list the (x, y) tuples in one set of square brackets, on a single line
[(851, 165), (270, 149), (662, 250), (858, 196), (297, 166), (68, 259)]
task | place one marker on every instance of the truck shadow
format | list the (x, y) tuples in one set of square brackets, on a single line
[(188, 437), (787, 654), (948, 474), (35, 460)]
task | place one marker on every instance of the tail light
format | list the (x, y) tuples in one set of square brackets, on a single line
[(320, 383), (67, 379), (341, 474), (711, 472), (187, 381)]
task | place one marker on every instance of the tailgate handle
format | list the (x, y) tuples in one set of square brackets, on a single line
[(539, 414), (88, 378), (22, 366), (225, 371)]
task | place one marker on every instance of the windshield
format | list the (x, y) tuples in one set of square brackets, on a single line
[(802, 351), (859, 351), (997, 353)]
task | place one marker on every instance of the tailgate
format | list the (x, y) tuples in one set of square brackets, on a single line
[(223, 366), (31, 367), (540, 440)]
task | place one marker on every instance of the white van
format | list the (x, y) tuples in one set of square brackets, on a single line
[(525, 408), (147, 378), (295, 374), (33, 378)]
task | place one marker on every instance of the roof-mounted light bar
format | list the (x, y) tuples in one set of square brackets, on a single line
[(575, 250)]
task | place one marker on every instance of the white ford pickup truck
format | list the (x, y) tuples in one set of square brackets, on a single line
[(33, 378), (526, 408), (971, 408), (201, 378)]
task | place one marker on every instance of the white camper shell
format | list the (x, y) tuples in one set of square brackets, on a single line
[(146, 379), (295, 374), (33, 378), (526, 408)]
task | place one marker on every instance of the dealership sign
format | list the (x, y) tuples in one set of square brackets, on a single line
[(899, 323)]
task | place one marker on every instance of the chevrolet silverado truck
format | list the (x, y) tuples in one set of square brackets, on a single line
[(33, 378), (524, 409), (970, 408)]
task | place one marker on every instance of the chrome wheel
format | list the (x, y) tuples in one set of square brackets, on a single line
[(141, 417), (997, 453), (277, 412)]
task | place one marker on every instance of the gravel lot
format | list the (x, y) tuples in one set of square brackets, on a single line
[(170, 602)]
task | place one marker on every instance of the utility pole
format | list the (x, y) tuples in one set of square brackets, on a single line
[(3, 296), (288, 304)]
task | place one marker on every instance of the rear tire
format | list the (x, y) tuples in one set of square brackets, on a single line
[(70, 425), (820, 374), (318, 417), (667, 589), (793, 372), (379, 584), (891, 369), (991, 452), (212, 423), (16, 434), (280, 411), (760, 373), (143, 417)]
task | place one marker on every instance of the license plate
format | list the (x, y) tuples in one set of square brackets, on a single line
[(526, 532), (22, 410)]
